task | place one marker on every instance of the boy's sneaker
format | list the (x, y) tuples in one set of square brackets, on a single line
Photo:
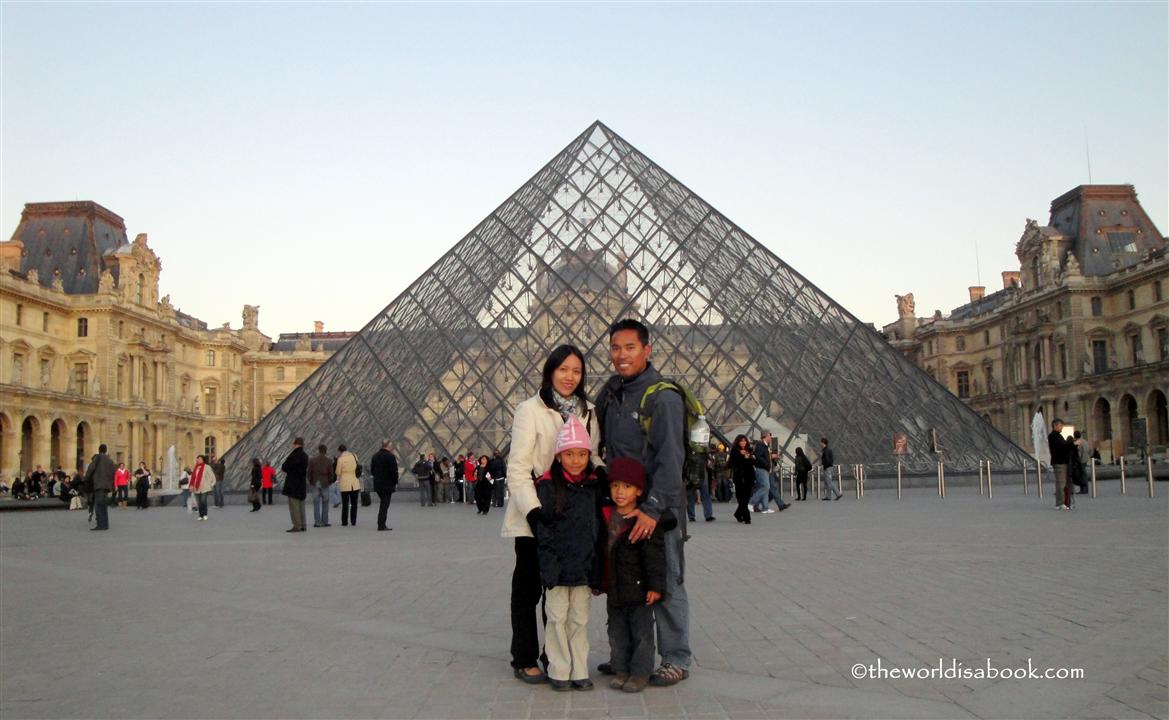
[(635, 683), (668, 674), (618, 681)]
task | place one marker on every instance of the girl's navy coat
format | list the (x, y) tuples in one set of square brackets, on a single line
[(567, 541)]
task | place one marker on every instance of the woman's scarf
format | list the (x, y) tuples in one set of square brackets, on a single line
[(197, 477), (566, 406)]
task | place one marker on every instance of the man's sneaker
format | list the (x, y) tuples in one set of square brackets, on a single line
[(768, 511), (668, 674)]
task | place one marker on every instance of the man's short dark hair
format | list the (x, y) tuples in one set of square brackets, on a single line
[(341, 448), (1057, 420), (824, 441), (298, 441), (101, 448), (630, 324), (322, 449)]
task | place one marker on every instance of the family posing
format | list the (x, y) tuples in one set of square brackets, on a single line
[(584, 526)]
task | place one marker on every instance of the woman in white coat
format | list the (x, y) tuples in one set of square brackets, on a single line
[(534, 429), (346, 471)]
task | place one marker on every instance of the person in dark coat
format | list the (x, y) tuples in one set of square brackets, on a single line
[(742, 462), (220, 469), (498, 469), (295, 469), (142, 488), (484, 487), (257, 483), (634, 577), (803, 469), (100, 479), (384, 467)]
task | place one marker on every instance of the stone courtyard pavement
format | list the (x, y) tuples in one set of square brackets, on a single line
[(170, 618)]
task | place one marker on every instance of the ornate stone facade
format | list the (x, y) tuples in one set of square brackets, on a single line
[(1081, 331), (90, 354)]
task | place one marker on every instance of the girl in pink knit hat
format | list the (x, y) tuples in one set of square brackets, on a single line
[(567, 546)]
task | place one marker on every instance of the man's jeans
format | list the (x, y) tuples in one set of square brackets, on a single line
[(673, 611), (762, 487), (322, 496), (425, 490), (218, 492), (830, 477), (704, 493), (775, 494)]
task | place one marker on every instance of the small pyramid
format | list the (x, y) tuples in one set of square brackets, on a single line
[(599, 233)]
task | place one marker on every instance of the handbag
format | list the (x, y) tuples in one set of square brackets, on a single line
[(366, 500), (253, 496)]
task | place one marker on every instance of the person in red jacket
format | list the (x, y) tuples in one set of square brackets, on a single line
[(267, 477), (469, 468), (122, 485)]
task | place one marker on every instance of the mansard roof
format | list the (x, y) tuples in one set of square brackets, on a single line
[(69, 237), (1108, 228)]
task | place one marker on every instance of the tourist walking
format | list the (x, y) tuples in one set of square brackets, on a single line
[(422, 473), (121, 486), (444, 480), (267, 482), (625, 400), (220, 468), (802, 469), (567, 540), (256, 484), (320, 480), (498, 469), (1082, 459), (536, 424), (484, 485), (828, 463), (742, 462), (203, 481), (142, 486), (349, 483), (1061, 449), (384, 467), (295, 468), (99, 479)]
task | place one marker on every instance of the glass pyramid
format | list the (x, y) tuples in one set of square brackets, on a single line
[(599, 233)]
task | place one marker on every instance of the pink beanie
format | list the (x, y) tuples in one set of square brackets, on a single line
[(572, 435)]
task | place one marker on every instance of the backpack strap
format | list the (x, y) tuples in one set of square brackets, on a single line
[(646, 417)]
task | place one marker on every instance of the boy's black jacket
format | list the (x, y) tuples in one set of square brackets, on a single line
[(638, 567)]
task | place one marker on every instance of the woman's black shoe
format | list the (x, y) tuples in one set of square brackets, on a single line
[(537, 679)]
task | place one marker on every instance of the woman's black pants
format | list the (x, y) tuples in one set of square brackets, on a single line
[(526, 591)]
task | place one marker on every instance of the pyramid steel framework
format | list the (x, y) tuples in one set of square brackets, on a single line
[(602, 232)]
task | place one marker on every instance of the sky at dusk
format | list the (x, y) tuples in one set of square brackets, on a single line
[(314, 159)]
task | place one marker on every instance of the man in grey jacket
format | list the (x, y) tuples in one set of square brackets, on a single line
[(100, 477), (662, 453)]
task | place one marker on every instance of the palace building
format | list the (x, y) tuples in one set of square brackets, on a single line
[(90, 353), (1079, 331)]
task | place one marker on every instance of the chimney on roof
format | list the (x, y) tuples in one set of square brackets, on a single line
[(977, 292), (1010, 279), (318, 326)]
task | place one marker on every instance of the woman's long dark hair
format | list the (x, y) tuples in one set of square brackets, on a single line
[(555, 359)]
